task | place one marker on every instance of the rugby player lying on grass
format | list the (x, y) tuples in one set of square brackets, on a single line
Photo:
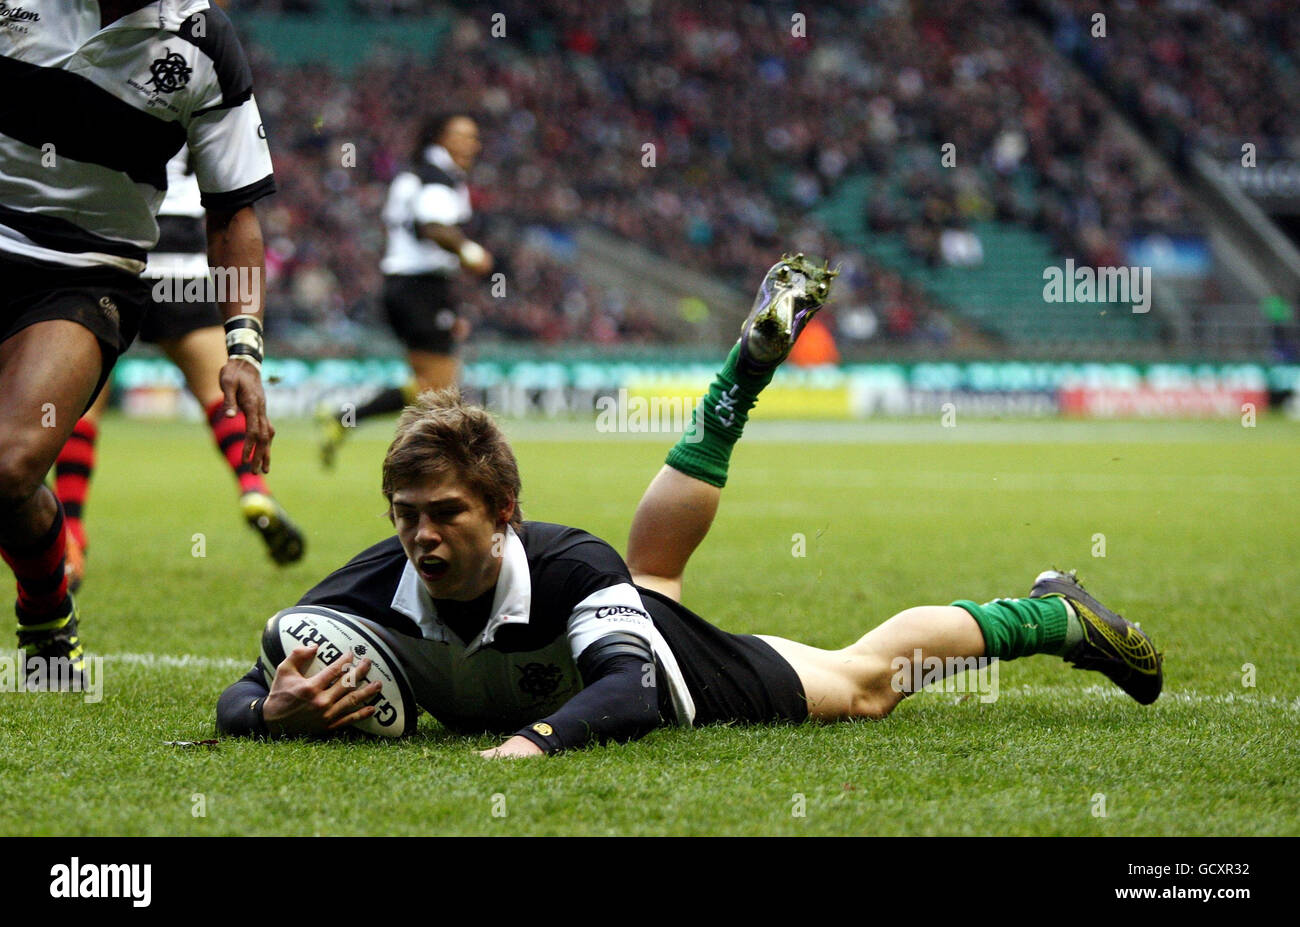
[(545, 633)]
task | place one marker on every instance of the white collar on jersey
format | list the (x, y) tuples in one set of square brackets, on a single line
[(510, 605), (441, 157)]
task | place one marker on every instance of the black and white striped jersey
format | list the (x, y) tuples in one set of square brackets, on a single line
[(559, 592), (559, 651), (433, 191), (90, 117)]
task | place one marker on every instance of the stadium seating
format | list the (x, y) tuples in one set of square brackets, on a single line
[(570, 101)]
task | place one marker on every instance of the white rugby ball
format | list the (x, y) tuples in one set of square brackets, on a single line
[(335, 633)]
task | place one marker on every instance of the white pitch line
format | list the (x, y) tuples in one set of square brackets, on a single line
[(1111, 693), (181, 661)]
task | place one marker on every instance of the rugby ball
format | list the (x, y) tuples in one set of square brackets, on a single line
[(335, 633)]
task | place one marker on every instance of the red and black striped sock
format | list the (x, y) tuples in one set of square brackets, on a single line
[(229, 434), (38, 567), (72, 472)]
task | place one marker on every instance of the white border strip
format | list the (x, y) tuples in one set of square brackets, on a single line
[(183, 661), (1113, 693)]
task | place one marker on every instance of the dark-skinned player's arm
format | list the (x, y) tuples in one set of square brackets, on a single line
[(232, 164), (235, 243)]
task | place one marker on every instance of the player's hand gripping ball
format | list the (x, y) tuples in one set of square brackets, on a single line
[(334, 634)]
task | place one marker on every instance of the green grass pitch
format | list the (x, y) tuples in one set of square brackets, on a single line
[(1201, 526)]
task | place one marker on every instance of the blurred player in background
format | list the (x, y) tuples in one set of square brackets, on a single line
[(189, 332), (426, 209), (110, 91)]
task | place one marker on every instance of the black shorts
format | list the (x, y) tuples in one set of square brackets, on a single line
[(108, 302), (420, 310), (170, 321), (733, 678), (167, 320)]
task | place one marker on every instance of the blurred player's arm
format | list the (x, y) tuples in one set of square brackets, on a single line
[(436, 208)]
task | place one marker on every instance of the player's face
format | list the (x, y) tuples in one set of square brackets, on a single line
[(460, 138), (450, 536)]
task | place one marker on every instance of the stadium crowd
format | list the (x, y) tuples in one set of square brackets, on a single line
[(1198, 74), (751, 124)]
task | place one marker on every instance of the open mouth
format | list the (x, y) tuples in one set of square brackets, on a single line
[(432, 569)]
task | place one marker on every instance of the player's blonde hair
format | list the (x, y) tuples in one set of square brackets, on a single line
[(441, 433)]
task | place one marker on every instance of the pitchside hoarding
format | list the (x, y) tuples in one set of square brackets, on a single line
[(148, 387)]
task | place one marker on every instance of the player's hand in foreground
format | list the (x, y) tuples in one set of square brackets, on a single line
[(514, 747), (241, 383), (299, 705)]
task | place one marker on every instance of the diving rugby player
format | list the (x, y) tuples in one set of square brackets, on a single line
[(545, 634)]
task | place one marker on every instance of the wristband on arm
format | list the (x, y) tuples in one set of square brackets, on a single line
[(471, 252), (244, 339)]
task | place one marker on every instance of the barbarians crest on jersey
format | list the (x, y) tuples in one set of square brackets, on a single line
[(169, 73), (539, 678)]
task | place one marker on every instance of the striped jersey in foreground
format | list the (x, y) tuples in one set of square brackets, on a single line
[(90, 118)]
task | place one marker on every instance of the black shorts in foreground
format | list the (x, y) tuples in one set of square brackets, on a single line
[(108, 302), (733, 678), (418, 307)]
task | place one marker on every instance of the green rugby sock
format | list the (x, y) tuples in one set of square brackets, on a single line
[(1020, 627), (704, 450)]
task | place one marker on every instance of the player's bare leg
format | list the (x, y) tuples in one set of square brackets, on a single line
[(73, 470), (671, 520), (48, 372), (433, 371), (869, 678), (200, 355), (677, 509), (429, 370), (861, 681)]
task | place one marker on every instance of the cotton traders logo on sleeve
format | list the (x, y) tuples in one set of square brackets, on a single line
[(621, 611), (17, 13)]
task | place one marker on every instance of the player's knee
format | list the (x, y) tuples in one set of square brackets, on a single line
[(875, 695), (871, 705), (22, 471)]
